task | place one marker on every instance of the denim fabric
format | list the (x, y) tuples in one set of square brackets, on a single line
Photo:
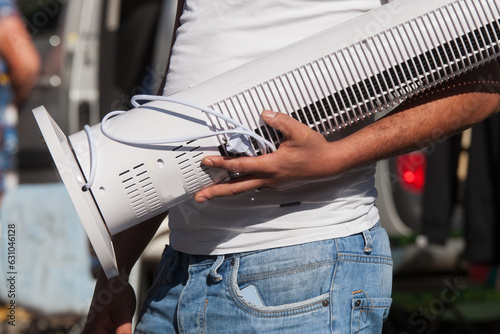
[(334, 286)]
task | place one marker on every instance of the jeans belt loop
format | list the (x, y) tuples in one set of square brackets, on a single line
[(213, 270), (368, 242)]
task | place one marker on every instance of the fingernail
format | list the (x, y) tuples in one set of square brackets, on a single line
[(207, 162), (268, 114)]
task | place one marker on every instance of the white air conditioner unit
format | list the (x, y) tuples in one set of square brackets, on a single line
[(148, 159)]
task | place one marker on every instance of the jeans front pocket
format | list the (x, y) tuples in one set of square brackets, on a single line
[(285, 292), (368, 314)]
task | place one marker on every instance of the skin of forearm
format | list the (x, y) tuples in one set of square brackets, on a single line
[(414, 128), (418, 122)]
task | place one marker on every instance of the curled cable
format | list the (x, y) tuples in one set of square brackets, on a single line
[(264, 144), (93, 157)]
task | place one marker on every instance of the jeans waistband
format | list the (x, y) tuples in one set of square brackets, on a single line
[(215, 261), (188, 259)]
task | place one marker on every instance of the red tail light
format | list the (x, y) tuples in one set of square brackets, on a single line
[(411, 171)]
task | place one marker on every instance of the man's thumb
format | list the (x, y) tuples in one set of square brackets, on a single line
[(284, 123)]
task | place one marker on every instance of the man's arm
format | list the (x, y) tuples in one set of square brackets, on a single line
[(113, 303), (306, 155)]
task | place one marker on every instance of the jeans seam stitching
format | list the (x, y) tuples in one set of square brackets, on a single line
[(364, 259), (285, 271), (334, 276), (178, 315)]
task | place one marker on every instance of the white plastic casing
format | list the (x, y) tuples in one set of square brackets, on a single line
[(132, 182)]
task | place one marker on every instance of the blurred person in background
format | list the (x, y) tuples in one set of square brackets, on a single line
[(19, 69)]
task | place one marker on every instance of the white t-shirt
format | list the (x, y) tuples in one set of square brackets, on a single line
[(216, 36)]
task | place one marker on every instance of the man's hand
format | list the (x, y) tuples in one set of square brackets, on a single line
[(449, 108), (299, 158), (112, 308)]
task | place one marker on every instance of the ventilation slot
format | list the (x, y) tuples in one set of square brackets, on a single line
[(194, 174), (350, 84), (140, 190)]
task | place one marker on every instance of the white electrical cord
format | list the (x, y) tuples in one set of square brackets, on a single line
[(93, 157), (264, 144)]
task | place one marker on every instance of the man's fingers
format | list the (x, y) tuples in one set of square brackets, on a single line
[(259, 170), (228, 189), (287, 125), (235, 165)]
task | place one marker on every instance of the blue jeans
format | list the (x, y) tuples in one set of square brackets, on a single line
[(334, 286)]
